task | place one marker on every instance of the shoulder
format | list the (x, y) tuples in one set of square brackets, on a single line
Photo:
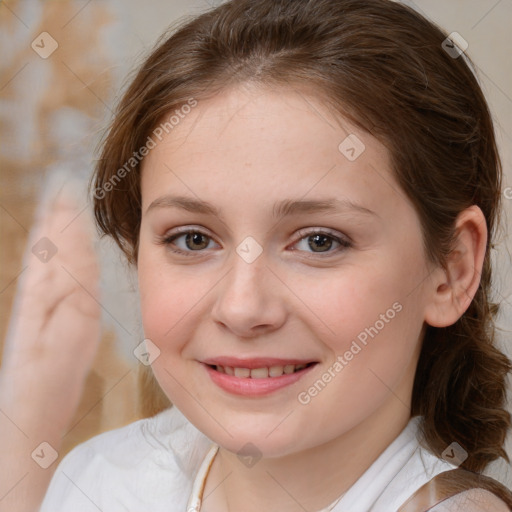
[(124, 446), (146, 463), (474, 500)]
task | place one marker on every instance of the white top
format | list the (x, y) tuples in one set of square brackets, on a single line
[(196, 496), (154, 463)]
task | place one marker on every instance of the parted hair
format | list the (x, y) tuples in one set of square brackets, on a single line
[(390, 71)]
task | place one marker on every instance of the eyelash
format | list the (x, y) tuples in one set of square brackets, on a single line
[(344, 243)]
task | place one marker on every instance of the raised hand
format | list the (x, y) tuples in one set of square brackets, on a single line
[(52, 340)]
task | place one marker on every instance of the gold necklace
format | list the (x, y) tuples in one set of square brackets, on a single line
[(196, 495)]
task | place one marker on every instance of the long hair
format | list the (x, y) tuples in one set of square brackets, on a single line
[(387, 69)]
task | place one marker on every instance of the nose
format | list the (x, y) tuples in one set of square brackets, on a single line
[(251, 299)]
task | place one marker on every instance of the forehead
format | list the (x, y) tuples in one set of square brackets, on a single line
[(283, 115), (266, 144)]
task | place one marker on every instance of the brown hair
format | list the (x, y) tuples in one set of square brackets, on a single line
[(381, 65)]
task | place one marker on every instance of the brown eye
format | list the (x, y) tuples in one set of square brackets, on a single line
[(322, 242), (187, 242), (196, 240)]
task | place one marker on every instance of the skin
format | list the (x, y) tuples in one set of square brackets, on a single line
[(243, 151), (53, 337)]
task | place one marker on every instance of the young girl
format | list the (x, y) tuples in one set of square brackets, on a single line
[(309, 191)]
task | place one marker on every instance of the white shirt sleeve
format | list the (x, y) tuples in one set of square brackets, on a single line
[(144, 466), (70, 487)]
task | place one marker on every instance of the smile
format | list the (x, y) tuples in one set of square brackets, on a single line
[(259, 380)]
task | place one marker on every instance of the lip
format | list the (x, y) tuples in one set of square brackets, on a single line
[(247, 386)]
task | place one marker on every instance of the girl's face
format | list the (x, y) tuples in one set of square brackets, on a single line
[(303, 248)]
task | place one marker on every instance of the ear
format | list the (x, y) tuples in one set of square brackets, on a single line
[(454, 286)]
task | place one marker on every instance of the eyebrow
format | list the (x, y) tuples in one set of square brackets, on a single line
[(282, 208)]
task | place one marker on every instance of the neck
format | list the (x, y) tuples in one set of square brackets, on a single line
[(308, 480)]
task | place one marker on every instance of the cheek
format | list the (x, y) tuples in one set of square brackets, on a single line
[(173, 301), (354, 299), (373, 337), (371, 316), (166, 296)]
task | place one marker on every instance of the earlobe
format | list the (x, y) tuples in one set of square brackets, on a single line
[(455, 285)]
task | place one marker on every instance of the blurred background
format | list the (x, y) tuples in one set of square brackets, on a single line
[(63, 65)]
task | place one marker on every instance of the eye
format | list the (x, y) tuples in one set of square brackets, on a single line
[(322, 240), (187, 241)]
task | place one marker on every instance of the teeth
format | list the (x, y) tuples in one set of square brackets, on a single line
[(289, 368), (260, 373), (242, 372), (275, 371)]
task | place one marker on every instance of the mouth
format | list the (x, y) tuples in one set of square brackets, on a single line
[(256, 377), (263, 372)]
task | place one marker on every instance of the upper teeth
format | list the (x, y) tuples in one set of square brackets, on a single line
[(260, 373)]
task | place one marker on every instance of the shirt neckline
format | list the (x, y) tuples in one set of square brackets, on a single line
[(196, 496)]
